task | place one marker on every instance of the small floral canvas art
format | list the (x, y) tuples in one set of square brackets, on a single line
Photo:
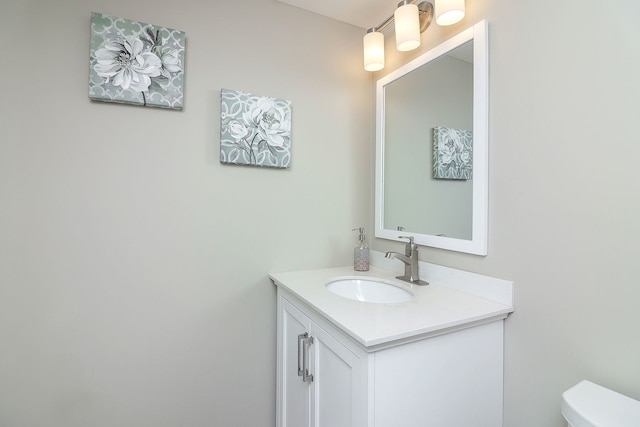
[(254, 130), (452, 153), (135, 63)]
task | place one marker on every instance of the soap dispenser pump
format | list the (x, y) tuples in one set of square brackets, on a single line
[(361, 252)]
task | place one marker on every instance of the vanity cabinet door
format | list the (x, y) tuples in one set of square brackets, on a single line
[(338, 395), (334, 393), (293, 395)]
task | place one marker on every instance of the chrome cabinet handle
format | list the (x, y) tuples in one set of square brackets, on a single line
[(301, 338), (306, 376)]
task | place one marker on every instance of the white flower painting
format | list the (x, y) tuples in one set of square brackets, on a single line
[(136, 63), (452, 153), (254, 130)]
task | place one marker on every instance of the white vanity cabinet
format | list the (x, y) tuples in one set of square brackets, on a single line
[(320, 381), (449, 380), (435, 361)]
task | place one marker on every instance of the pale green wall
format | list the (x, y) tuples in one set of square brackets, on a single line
[(564, 195), (133, 265)]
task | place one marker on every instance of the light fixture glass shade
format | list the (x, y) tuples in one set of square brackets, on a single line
[(449, 12), (407, 24), (373, 51)]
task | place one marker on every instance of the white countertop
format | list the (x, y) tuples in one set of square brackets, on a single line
[(434, 310)]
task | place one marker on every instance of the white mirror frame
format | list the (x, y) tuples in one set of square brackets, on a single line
[(478, 243)]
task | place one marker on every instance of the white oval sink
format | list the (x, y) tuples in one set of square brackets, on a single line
[(369, 289)]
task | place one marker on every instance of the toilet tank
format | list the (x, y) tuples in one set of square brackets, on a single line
[(589, 405)]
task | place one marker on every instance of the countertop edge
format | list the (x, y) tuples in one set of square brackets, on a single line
[(498, 311)]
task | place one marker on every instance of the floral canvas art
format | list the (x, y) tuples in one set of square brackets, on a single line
[(452, 153), (135, 63), (254, 130)]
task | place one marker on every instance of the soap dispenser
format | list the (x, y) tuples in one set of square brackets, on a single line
[(361, 252)]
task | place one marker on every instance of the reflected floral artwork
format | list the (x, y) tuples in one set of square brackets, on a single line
[(254, 130), (135, 63), (452, 153)]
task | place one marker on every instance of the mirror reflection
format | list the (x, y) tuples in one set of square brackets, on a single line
[(432, 146), (425, 111)]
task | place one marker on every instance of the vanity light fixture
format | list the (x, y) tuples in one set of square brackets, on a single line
[(407, 26), (410, 20), (448, 12), (373, 50)]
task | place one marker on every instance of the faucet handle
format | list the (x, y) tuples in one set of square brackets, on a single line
[(410, 246), (407, 237)]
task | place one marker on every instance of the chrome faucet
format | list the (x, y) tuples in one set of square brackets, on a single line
[(410, 260)]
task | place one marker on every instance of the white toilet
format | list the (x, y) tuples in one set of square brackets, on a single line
[(589, 405)]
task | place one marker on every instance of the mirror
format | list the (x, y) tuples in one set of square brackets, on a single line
[(432, 146)]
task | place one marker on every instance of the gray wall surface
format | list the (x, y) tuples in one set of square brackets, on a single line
[(133, 265), (133, 288)]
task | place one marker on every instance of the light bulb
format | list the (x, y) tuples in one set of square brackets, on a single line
[(449, 12), (373, 43), (407, 23)]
